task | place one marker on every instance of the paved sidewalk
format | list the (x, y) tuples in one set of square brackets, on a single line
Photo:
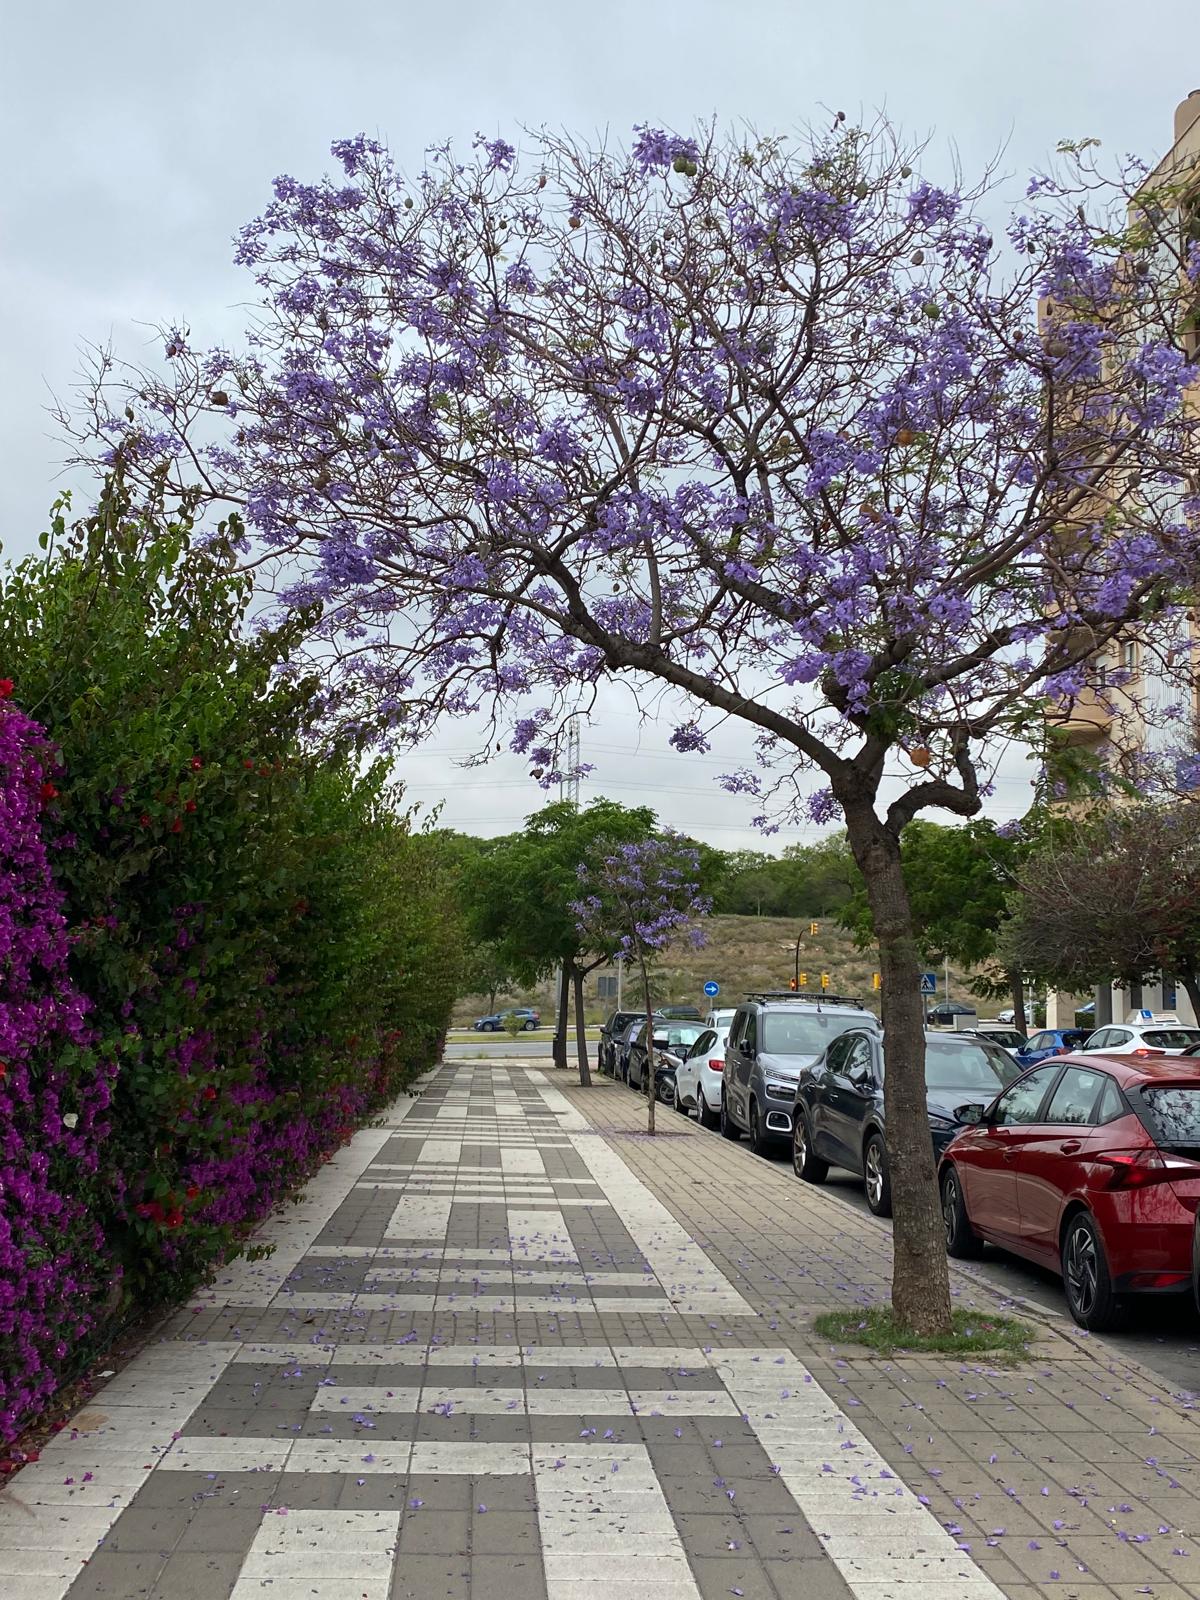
[(509, 1347)]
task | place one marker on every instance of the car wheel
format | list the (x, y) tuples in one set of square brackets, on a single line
[(491, 1027), (876, 1179), (759, 1142), (962, 1242), (530, 1025), (804, 1163), (667, 1093), (729, 1128), (1086, 1277), (708, 1117)]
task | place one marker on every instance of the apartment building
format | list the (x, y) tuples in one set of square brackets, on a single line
[(1141, 707)]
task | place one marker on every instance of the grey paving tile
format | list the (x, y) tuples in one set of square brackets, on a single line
[(113, 1575), (194, 1575)]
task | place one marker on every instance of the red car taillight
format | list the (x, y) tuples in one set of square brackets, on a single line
[(1134, 1169), (716, 1064), (1143, 1051)]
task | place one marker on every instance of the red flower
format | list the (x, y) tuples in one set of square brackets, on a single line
[(190, 805), (174, 1218), (144, 819), (193, 1190), (209, 1092), (249, 765), (5, 688), (177, 826), (195, 763), (49, 792)]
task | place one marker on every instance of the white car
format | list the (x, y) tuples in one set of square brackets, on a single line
[(1147, 1035), (699, 1076), (721, 1019), (1010, 1016), (1007, 1038)]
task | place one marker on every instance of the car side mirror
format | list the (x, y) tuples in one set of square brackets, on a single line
[(861, 1077), (970, 1115), (744, 1047)]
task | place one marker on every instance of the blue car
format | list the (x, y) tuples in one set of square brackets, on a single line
[(1050, 1042)]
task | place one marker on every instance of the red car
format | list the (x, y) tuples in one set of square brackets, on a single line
[(1087, 1164)]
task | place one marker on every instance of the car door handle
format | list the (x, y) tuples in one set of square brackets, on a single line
[(1010, 1155), (1069, 1146)]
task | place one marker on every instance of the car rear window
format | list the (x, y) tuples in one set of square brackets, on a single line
[(959, 1064), (1172, 1038), (1174, 1112), (803, 1033)]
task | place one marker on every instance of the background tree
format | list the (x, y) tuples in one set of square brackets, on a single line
[(636, 898), (771, 426), (1120, 900), (524, 889)]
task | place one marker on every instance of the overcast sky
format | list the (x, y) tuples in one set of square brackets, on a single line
[(140, 136)]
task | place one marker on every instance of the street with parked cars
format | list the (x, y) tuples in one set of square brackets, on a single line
[(1069, 1162)]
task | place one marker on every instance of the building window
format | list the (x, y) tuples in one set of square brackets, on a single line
[(606, 987), (1129, 655)]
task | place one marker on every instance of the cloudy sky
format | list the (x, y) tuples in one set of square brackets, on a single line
[(140, 136)]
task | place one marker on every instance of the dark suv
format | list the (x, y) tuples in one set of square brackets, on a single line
[(838, 1115), (772, 1038)]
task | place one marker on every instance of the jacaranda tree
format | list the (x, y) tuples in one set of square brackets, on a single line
[(773, 430), (636, 899)]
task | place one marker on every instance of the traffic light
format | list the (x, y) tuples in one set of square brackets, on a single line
[(824, 980), (803, 980), (814, 927), (791, 983), (876, 981)]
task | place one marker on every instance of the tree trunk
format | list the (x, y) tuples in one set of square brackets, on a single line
[(585, 1076), (648, 1085), (559, 1047), (1016, 988), (492, 998), (920, 1277), (1191, 987)]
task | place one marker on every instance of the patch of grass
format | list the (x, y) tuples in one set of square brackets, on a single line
[(974, 1331)]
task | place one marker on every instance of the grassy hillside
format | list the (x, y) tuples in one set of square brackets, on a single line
[(742, 953)]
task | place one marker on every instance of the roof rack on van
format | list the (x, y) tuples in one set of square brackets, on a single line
[(822, 997)]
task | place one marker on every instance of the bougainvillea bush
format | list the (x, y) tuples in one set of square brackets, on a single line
[(55, 1086), (254, 949)]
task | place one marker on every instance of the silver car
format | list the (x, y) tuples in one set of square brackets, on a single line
[(774, 1036)]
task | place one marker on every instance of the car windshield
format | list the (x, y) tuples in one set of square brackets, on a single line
[(803, 1033), (1174, 1112), (960, 1064), (1007, 1038), (1172, 1038)]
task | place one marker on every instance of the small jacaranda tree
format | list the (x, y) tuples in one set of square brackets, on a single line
[(639, 897), (777, 431)]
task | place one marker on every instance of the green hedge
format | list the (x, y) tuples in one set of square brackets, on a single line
[(267, 950)]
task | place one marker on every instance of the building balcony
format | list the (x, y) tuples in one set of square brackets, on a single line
[(1085, 718)]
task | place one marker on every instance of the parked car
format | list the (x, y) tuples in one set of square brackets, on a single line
[(1089, 1165), (530, 1020), (772, 1038), (673, 1037), (951, 1014), (1010, 1015), (1007, 1038), (624, 1040), (1050, 1042), (720, 1018), (698, 1077), (679, 1013), (838, 1118), (610, 1032), (1162, 1035)]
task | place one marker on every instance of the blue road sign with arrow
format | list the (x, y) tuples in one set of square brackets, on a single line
[(929, 983), (711, 989)]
